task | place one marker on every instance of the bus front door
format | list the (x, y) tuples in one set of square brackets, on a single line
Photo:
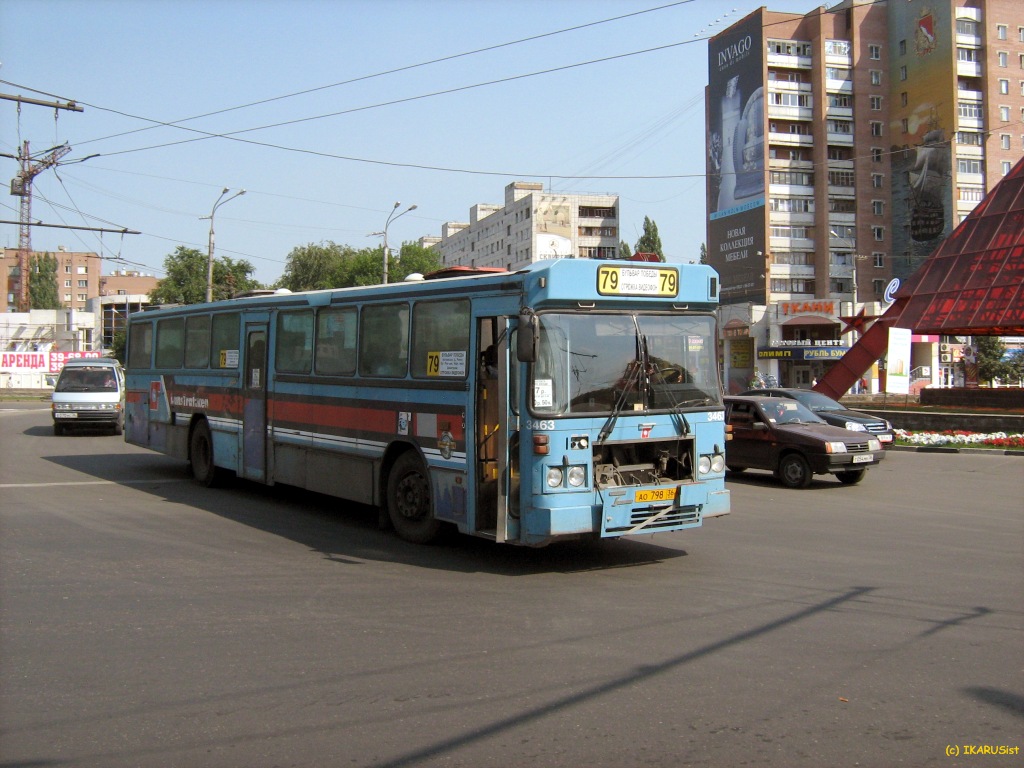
[(495, 511), (254, 404)]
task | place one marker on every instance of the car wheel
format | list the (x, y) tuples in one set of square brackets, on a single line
[(852, 477), (408, 501), (794, 471)]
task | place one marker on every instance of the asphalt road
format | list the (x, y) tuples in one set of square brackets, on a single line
[(145, 621)]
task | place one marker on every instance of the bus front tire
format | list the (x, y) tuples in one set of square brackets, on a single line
[(201, 455), (408, 501)]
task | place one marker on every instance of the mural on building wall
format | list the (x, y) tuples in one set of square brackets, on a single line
[(554, 229), (735, 163), (921, 160)]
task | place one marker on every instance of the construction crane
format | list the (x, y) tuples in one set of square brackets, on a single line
[(21, 186)]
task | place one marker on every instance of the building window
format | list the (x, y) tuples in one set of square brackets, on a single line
[(1004, 58), (878, 232), (841, 178), (67, 269), (876, 104), (83, 283), (876, 77), (67, 297), (837, 73), (1020, 33), (1004, 141), (969, 109), (876, 154), (1004, 87), (903, 73), (971, 138), (878, 259), (875, 52), (878, 207), (876, 128), (903, 99), (1004, 114), (83, 270), (967, 27), (877, 180), (67, 283), (903, 47), (967, 54), (878, 286), (839, 126), (1001, 31), (972, 194), (81, 297), (968, 165), (1006, 167), (905, 125)]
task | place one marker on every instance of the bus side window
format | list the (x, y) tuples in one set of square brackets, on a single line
[(384, 340), (293, 352), (336, 341)]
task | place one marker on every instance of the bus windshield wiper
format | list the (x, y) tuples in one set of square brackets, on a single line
[(636, 376)]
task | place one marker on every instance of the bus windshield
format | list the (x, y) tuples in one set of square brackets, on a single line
[(596, 363)]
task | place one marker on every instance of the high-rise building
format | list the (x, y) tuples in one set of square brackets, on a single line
[(843, 146), (78, 277), (532, 225)]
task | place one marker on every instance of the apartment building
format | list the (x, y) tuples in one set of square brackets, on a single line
[(843, 146), (78, 277), (533, 225)]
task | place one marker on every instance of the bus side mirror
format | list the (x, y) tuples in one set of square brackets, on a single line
[(526, 336)]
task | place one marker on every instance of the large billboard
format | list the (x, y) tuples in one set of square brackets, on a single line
[(922, 190), (735, 162)]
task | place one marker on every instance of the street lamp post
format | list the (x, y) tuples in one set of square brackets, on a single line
[(391, 217), (209, 259)]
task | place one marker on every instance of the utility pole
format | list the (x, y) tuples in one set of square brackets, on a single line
[(21, 186)]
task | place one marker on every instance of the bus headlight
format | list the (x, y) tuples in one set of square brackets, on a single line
[(714, 462), (718, 463), (577, 476), (554, 477), (704, 465)]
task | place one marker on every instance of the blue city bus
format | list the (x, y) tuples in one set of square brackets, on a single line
[(573, 398)]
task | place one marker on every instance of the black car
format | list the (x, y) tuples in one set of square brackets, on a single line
[(786, 438), (833, 412)]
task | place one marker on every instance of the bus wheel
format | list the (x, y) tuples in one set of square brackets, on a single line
[(408, 501), (201, 455)]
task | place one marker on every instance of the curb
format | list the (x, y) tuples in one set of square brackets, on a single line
[(948, 449)]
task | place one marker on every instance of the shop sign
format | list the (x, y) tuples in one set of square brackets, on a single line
[(807, 307)]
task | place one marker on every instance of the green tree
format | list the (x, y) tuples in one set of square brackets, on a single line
[(185, 282), (314, 267), (42, 282), (1016, 364), (990, 351), (118, 345), (414, 257), (650, 241), (625, 250), (703, 253)]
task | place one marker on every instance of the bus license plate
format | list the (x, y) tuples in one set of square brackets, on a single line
[(659, 494), (863, 458)]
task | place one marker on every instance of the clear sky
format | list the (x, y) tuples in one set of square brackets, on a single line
[(327, 112)]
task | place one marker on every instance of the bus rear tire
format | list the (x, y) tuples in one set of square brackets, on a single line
[(408, 501), (201, 455)]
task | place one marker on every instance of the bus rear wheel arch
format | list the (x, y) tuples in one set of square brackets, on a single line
[(408, 500)]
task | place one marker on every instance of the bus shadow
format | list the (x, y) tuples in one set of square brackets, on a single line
[(348, 533)]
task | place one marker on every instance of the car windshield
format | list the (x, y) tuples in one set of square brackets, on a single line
[(92, 379), (784, 411), (608, 363), (817, 401)]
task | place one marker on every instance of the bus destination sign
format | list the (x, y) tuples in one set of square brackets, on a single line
[(637, 281)]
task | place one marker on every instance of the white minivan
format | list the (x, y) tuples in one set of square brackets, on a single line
[(89, 394)]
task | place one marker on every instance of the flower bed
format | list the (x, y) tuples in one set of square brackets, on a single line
[(957, 438)]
